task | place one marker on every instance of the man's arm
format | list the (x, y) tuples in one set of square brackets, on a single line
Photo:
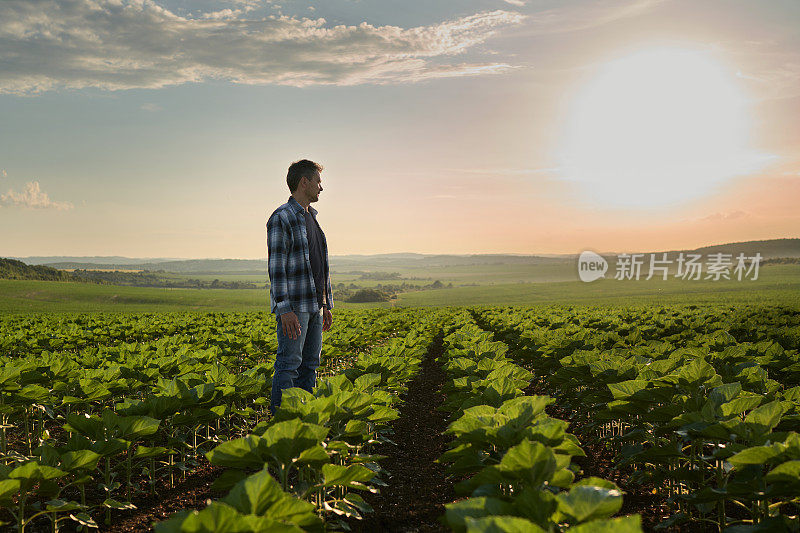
[(278, 253)]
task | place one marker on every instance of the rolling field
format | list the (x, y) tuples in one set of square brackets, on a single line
[(778, 284), (559, 418)]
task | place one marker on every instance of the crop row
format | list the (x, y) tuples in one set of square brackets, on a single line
[(516, 460), (701, 405), (305, 467), (99, 409)]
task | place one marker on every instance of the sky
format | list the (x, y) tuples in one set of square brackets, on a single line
[(165, 128)]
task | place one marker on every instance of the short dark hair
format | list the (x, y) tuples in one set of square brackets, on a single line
[(301, 169)]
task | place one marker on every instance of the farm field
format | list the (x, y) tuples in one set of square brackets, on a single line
[(778, 284), (545, 418)]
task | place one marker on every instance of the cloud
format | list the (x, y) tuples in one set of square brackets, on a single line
[(126, 44), (774, 81), (150, 107), (584, 15), (3, 173), (770, 68), (717, 217), (505, 171), (32, 197), (518, 3)]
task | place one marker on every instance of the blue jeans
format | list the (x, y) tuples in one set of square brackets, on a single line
[(297, 359)]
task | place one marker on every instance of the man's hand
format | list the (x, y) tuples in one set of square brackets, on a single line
[(327, 319), (290, 325)]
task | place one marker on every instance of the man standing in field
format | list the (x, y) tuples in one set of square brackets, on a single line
[(300, 283)]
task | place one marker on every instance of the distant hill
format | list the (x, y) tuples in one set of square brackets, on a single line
[(184, 266), (768, 249), (773, 248), (13, 269), (93, 260), (17, 270), (341, 263)]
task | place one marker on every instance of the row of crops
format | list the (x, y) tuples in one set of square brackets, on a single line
[(515, 460), (99, 409), (698, 407), (701, 406)]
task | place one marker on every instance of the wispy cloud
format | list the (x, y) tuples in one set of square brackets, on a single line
[(569, 17), (720, 217), (505, 171), (770, 68), (32, 197), (3, 173), (150, 107), (125, 44), (774, 81)]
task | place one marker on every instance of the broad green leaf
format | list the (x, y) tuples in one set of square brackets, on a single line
[(740, 405), (383, 413), (725, 393), (81, 459), (366, 381), (8, 488), (63, 506), (245, 452), (121, 506), (355, 427), (222, 518), (457, 513), (33, 471), (353, 476), (84, 519), (314, 456), (259, 494), (285, 441), (501, 524), (757, 455), (785, 472), (623, 524), (110, 447), (137, 427), (536, 505), (697, 373), (144, 452), (766, 417), (531, 462), (588, 502), (626, 389), (88, 426)]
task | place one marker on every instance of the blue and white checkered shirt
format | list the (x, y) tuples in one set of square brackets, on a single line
[(291, 280)]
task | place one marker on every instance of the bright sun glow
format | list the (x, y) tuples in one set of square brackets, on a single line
[(658, 127)]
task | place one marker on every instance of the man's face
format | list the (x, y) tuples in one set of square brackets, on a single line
[(313, 186)]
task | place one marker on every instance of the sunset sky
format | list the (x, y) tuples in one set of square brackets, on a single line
[(165, 128)]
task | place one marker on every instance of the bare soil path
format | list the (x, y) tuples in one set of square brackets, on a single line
[(418, 487)]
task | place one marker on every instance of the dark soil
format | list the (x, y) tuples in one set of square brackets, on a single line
[(189, 494), (418, 487)]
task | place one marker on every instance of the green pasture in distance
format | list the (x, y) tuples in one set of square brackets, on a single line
[(778, 284), (455, 274), (67, 297)]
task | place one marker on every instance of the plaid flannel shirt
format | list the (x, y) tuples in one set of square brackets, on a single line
[(291, 280)]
